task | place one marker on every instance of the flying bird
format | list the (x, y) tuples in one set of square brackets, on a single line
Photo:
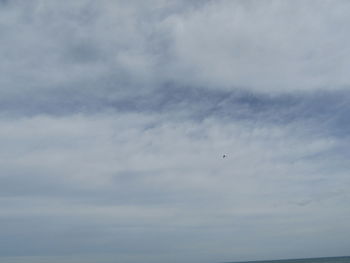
[(224, 156)]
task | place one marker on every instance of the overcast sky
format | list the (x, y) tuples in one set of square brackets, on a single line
[(115, 114)]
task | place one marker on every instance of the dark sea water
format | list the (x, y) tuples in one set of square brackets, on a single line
[(306, 260)]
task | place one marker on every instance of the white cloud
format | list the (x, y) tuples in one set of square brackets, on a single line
[(114, 121), (268, 46), (139, 171), (122, 48)]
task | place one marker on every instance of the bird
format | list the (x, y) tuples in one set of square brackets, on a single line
[(224, 156)]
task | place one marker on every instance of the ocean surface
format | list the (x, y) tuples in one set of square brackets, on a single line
[(305, 260)]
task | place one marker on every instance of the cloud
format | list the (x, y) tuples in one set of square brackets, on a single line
[(268, 46), (114, 117), (57, 52), (119, 184)]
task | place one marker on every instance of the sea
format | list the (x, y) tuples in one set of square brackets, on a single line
[(304, 260)]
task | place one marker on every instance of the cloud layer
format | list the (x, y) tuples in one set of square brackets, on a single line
[(269, 46), (138, 185), (114, 116)]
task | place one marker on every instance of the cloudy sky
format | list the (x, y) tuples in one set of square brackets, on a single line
[(115, 114)]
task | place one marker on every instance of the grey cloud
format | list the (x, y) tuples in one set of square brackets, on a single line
[(269, 46), (323, 112), (114, 116), (97, 182), (250, 45)]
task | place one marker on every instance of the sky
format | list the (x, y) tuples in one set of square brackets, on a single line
[(115, 115)]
